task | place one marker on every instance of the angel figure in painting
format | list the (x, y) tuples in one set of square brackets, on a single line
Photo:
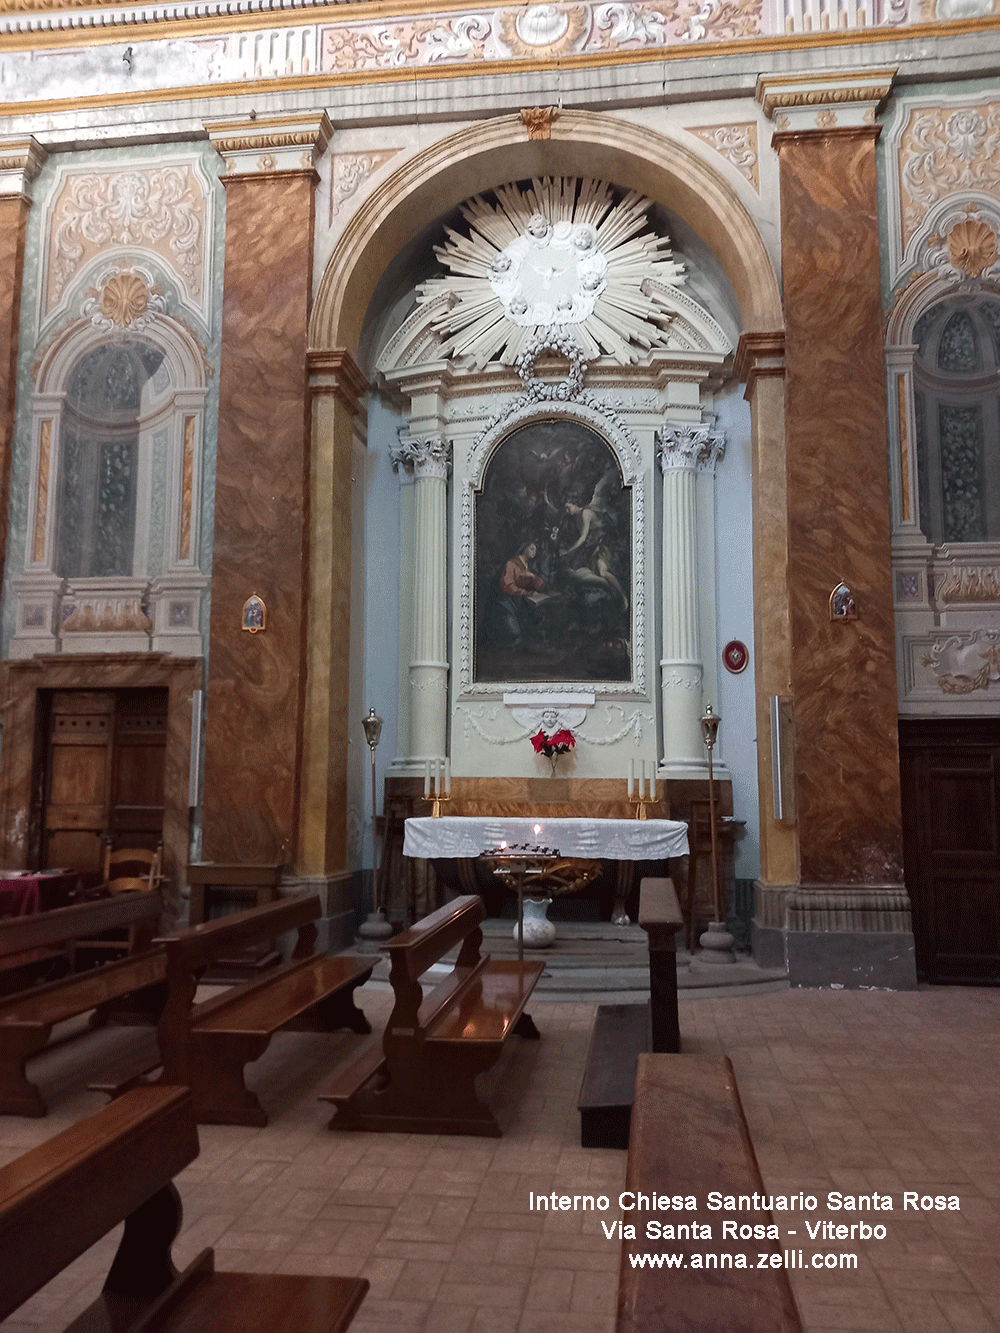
[(590, 555)]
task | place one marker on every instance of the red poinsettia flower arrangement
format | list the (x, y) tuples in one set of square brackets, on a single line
[(560, 742)]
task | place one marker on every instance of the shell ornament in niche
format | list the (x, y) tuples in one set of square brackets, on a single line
[(972, 247), (562, 257), (124, 299)]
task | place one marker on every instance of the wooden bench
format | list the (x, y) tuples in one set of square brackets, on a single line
[(28, 1017), (61, 1197), (207, 1046), (421, 1077), (622, 1032), (689, 1137)]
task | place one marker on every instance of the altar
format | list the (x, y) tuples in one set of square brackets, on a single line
[(454, 845), (465, 836)]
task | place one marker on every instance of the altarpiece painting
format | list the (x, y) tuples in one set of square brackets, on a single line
[(553, 559)]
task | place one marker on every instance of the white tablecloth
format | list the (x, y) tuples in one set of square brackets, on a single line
[(594, 839)]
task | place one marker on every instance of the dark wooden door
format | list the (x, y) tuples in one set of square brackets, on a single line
[(137, 768), (105, 767), (950, 772), (81, 733)]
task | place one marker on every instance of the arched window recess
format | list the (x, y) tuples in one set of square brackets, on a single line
[(111, 554)]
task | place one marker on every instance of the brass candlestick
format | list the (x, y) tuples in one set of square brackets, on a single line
[(710, 731)]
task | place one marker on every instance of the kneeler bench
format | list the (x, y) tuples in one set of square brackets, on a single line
[(28, 1017), (60, 1198), (206, 1046), (624, 1031), (689, 1137), (420, 1078)]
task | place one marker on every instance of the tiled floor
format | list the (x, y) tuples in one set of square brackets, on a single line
[(849, 1091)]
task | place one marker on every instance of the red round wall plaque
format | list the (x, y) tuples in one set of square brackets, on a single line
[(735, 656)]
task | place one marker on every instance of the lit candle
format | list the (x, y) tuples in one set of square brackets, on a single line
[(538, 829), (631, 778), (427, 777)]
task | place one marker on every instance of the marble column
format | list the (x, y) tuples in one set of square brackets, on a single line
[(683, 449), (21, 159), (256, 694), (841, 672), (427, 457)]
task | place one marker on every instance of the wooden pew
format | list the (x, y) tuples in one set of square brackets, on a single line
[(61, 1197), (28, 1017), (624, 1031), (207, 1046), (421, 1077), (689, 1136)]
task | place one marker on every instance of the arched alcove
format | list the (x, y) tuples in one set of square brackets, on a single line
[(582, 144)]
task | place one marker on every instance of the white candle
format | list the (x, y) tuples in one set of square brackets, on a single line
[(631, 778), (427, 777), (447, 776), (439, 767)]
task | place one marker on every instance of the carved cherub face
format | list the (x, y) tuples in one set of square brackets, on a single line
[(550, 717), (538, 226)]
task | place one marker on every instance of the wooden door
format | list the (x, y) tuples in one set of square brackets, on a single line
[(950, 771), (138, 765), (104, 774), (81, 736)]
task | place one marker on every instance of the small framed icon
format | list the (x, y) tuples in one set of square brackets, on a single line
[(842, 603), (735, 656), (254, 614)]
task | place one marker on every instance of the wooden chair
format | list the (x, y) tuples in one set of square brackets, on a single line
[(132, 869)]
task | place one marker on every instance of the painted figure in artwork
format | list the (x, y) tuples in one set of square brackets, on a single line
[(588, 559), (521, 592)]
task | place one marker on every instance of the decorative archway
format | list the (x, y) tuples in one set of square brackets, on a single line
[(583, 143), (432, 182)]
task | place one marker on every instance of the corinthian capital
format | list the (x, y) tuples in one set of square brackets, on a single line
[(684, 445), (421, 455)]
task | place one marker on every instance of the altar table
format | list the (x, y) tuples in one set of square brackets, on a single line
[(455, 836), (23, 893)]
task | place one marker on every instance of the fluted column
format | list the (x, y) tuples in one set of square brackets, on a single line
[(427, 457), (683, 448)]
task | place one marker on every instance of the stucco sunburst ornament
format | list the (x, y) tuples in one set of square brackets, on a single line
[(561, 256)]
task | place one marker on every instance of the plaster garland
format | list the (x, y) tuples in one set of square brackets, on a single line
[(472, 718)]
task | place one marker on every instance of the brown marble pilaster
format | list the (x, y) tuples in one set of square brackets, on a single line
[(760, 362), (338, 422), (257, 682), (842, 673), (20, 162)]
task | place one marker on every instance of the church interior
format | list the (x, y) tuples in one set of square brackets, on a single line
[(450, 450)]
